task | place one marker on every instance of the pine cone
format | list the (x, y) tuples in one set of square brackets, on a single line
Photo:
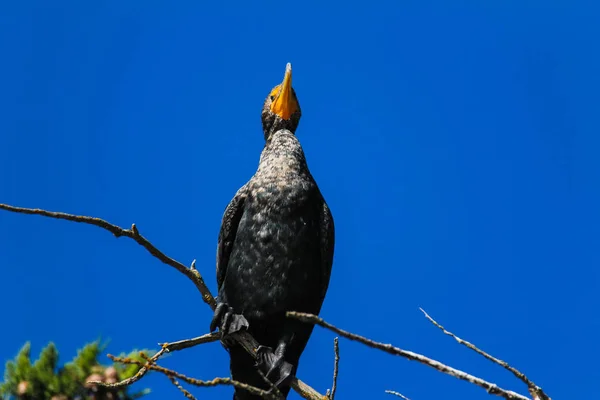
[(111, 374), (93, 377), (22, 388)]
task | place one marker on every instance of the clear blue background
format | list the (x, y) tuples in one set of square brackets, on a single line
[(457, 146)]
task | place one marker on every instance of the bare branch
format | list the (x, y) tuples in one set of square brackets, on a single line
[(274, 389), (243, 338), (248, 342), (533, 388), (142, 371), (132, 233), (181, 388), (187, 343), (397, 394), (165, 348), (336, 363), (305, 391), (388, 348), (198, 382)]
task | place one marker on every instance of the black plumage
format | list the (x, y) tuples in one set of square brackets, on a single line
[(275, 251)]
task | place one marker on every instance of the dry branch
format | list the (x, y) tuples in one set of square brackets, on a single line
[(491, 388), (243, 338), (165, 348), (534, 390), (132, 233), (274, 388), (197, 382), (176, 383), (397, 394), (250, 344), (336, 366), (187, 343)]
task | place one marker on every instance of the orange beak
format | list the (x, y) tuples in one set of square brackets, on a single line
[(284, 104)]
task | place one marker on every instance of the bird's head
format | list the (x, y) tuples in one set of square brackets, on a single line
[(281, 109)]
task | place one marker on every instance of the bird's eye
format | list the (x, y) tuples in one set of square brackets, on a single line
[(272, 98)]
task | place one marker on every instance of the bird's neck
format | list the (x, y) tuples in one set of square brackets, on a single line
[(282, 151)]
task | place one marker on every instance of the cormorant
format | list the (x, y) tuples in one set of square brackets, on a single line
[(274, 253)]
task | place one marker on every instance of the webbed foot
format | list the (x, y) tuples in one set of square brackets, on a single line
[(227, 321), (275, 368)]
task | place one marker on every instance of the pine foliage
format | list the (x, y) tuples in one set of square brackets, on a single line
[(44, 379)]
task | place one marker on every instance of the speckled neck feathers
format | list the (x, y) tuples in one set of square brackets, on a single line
[(282, 155)]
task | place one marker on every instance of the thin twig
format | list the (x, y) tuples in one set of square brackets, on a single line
[(336, 363), (198, 382), (388, 348), (165, 348), (243, 338), (138, 375), (530, 385), (397, 394), (187, 343), (181, 388), (274, 389), (132, 233)]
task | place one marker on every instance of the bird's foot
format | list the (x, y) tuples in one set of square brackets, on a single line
[(227, 321), (276, 369)]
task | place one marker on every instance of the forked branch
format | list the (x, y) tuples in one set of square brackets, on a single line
[(165, 348), (243, 338), (133, 233), (197, 382), (250, 344), (536, 392), (491, 388)]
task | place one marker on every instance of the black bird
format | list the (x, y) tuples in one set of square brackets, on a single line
[(275, 252)]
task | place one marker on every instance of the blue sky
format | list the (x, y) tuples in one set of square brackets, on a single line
[(456, 145)]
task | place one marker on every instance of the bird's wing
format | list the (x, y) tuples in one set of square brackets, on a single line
[(229, 225), (327, 246)]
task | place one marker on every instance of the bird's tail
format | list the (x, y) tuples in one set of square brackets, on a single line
[(243, 370)]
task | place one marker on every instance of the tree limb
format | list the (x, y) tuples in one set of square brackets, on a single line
[(165, 348), (534, 389), (133, 233), (187, 343), (388, 348), (197, 382), (336, 363), (397, 394), (250, 344), (176, 383), (243, 338)]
